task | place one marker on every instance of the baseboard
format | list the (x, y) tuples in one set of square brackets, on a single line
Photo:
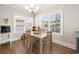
[(15, 39), (5, 41), (65, 44)]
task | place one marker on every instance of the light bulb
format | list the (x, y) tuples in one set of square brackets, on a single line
[(37, 7), (30, 10), (27, 7), (35, 10)]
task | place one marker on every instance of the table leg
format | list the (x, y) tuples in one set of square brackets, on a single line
[(41, 46)]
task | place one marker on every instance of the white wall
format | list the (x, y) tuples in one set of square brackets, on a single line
[(70, 24), (8, 12), (70, 15)]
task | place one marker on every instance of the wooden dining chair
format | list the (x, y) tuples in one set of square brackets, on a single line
[(48, 43), (23, 37), (28, 43)]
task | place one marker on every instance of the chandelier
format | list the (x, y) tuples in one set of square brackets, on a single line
[(32, 9)]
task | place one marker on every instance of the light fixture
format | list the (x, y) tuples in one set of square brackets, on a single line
[(32, 6), (33, 9)]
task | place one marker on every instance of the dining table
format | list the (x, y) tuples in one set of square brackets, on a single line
[(40, 36)]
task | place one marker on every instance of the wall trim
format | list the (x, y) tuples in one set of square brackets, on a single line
[(65, 44), (15, 39)]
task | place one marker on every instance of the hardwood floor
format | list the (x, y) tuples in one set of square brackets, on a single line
[(59, 49), (17, 47)]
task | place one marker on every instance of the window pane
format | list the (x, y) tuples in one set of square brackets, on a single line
[(45, 22), (55, 22)]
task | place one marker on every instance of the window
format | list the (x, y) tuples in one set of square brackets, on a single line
[(19, 23), (54, 22), (28, 24), (45, 23)]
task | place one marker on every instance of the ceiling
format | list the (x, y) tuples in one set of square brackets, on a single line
[(22, 6)]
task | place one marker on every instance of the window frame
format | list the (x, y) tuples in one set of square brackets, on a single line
[(61, 23)]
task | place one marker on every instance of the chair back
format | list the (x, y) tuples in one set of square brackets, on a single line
[(29, 42)]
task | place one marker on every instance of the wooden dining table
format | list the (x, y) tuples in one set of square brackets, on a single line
[(40, 36)]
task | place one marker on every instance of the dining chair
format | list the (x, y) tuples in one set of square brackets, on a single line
[(23, 37), (28, 43), (48, 43)]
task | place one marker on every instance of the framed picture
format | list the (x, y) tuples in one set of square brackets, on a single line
[(6, 20)]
